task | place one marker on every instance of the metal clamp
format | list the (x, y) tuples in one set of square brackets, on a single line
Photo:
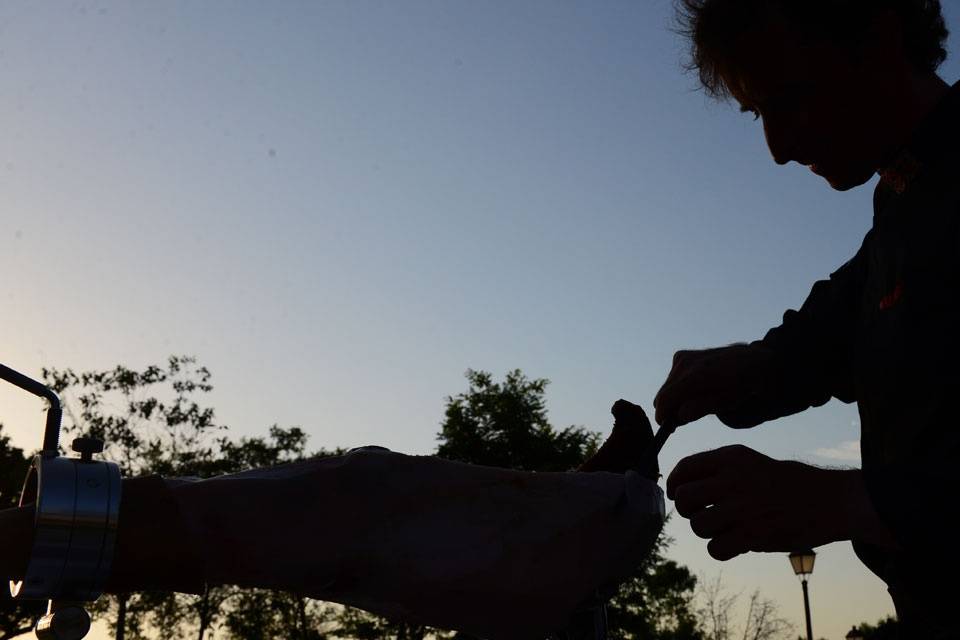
[(77, 504), (77, 509)]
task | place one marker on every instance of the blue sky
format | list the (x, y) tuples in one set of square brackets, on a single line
[(339, 207)]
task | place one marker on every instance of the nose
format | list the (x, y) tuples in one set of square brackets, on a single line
[(781, 139)]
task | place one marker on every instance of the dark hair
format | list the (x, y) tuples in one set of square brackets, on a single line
[(711, 25)]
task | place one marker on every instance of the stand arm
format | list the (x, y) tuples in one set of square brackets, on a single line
[(51, 434)]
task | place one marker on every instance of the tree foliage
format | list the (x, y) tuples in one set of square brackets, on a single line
[(151, 420), (260, 614), (506, 425), (356, 623), (886, 629), (657, 602)]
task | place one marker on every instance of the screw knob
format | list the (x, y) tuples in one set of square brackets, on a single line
[(86, 446), (67, 623)]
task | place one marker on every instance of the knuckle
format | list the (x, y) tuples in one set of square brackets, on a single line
[(715, 549), (737, 450), (674, 488), (684, 510), (722, 549), (698, 527), (682, 506)]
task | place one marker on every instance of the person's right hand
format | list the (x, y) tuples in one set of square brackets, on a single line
[(711, 381)]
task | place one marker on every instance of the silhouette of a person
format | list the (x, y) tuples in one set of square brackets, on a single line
[(848, 89)]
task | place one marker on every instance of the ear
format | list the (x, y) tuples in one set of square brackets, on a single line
[(882, 43)]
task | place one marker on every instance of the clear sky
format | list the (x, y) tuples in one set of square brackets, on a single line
[(339, 207)]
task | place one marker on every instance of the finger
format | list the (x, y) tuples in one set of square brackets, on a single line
[(693, 407), (658, 400), (692, 497), (695, 392), (666, 403), (776, 531), (693, 468), (729, 544), (681, 362), (706, 464), (752, 530)]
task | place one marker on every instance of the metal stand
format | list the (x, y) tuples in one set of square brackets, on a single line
[(806, 608), (77, 507)]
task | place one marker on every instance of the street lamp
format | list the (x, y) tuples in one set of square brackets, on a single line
[(802, 562), (854, 634)]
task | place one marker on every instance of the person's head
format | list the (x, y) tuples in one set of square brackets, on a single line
[(831, 79)]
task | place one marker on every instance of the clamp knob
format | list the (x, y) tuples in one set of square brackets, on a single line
[(86, 446), (70, 622)]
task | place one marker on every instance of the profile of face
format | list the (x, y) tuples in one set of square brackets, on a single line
[(822, 105)]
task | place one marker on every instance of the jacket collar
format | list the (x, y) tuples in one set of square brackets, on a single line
[(937, 134)]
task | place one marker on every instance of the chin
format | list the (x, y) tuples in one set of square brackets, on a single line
[(843, 185), (847, 181)]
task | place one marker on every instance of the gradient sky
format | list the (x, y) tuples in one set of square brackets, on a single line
[(339, 207)]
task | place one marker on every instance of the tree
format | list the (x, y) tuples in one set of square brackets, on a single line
[(16, 616), (261, 614), (716, 609), (657, 602), (357, 623), (150, 420), (762, 620), (505, 425), (886, 629)]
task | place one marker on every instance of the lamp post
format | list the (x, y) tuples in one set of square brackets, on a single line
[(854, 634), (802, 562)]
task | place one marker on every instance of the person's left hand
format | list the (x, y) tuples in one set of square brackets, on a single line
[(745, 501)]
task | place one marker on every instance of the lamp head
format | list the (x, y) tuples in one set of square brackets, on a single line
[(802, 562)]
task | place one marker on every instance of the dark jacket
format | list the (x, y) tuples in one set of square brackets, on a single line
[(884, 332)]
